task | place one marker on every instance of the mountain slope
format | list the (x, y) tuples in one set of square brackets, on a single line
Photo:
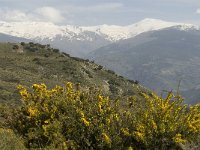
[(9, 38), (158, 59), (79, 40), (27, 64)]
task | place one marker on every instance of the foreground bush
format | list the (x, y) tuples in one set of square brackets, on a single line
[(164, 123), (68, 118)]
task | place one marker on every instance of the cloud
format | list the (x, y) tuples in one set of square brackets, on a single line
[(198, 11), (13, 15), (48, 14), (58, 16)]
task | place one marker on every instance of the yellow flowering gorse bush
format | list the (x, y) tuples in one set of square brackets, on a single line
[(163, 123), (68, 118)]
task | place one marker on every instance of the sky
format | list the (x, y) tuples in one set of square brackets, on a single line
[(97, 12)]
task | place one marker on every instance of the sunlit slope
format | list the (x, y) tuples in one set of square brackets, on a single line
[(35, 63)]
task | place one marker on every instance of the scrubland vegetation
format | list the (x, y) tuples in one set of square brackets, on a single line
[(104, 111), (28, 63), (67, 117)]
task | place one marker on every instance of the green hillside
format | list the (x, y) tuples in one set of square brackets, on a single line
[(69, 103), (31, 63)]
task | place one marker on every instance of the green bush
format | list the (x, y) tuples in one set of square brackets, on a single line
[(68, 118)]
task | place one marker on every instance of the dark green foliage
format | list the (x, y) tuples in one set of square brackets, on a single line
[(113, 82), (15, 46), (56, 50), (22, 43), (110, 71), (134, 81)]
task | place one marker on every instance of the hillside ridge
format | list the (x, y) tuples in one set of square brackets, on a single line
[(31, 63)]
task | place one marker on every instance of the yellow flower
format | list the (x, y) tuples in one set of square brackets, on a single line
[(108, 121), (139, 136), (46, 121), (130, 148), (64, 145), (154, 125), (192, 128), (100, 108), (85, 122), (44, 127), (140, 128), (146, 115), (36, 87), (125, 131), (32, 111), (69, 86), (106, 139), (82, 114), (59, 89), (100, 98), (43, 86), (178, 139), (116, 117), (20, 87), (24, 94)]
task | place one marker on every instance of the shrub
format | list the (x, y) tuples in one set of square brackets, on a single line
[(32, 49), (31, 44), (56, 50), (66, 117), (110, 71), (164, 123), (15, 47), (23, 43), (114, 82), (134, 81), (99, 67)]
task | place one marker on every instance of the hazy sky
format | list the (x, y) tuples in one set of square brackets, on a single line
[(95, 12)]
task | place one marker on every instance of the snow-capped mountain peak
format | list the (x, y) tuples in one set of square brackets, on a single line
[(36, 30), (115, 33), (45, 30)]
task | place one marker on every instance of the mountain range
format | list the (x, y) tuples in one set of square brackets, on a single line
[(81, 40), (157, 53), (158, 59)]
